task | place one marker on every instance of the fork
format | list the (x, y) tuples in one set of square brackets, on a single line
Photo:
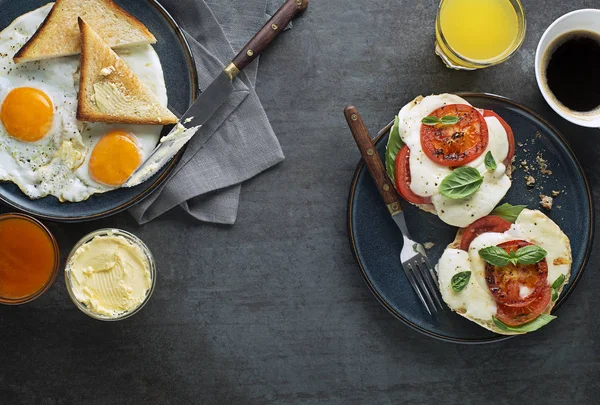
[(413, 257)]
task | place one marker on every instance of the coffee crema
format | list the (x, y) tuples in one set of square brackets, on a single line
[(572, 70)]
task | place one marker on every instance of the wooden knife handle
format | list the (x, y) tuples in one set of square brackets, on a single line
[(269, 32), (372, 159)]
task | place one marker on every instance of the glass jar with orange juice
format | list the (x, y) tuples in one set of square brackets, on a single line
[(29, 259), (474, 34)]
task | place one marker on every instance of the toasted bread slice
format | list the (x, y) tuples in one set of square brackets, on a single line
[(59, 34), (109, 91), (534, 214)]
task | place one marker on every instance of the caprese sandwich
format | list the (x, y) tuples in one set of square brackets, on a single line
[(450, 158), (506, 276)]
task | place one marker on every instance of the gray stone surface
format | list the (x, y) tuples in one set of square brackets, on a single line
[(273, 309)]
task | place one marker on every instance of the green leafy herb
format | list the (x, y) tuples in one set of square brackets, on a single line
[(558, 282), (445, 120), (393, 147), (449, 120), (554, 294), (530, 254), (508, 211), (490, 162), (512, 257), (461, 183), (460, 280), (495, 256), (534, 325), (431, 120)]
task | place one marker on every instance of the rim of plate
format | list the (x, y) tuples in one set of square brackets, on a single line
[(497, 338), (166, 172)]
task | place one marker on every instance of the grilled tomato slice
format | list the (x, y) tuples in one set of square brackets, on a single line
[(402, 170), (517, 285), (490, 223), (455, 144), (516, 316)]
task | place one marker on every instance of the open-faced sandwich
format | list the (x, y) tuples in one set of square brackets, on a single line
[(505, 271), (72, 126), (450, 158)]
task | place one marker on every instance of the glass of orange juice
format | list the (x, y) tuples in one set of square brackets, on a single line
[(474, 34), (29, 259)]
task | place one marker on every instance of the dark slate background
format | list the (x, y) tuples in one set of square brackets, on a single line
[(273, 309)]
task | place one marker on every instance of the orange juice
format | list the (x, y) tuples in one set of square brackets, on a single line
[(28, 258), (478, 33)]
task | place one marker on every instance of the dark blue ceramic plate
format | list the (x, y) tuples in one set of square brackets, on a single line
[(376, 241), (181, 80)]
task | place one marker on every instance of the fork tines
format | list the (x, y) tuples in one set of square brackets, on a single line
[(424, 281)]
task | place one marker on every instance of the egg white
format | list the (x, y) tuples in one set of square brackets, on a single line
[(476, 300), (58, 163), (426, 175)]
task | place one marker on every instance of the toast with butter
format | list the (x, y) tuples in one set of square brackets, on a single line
[(59, 35), (109, 91)]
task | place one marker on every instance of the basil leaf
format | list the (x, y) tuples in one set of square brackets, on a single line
[(393, 147), (495, 256), (508, 211), (554, 294), (431, 120), (558, 282), (460, 280), (512, 257), (534, 325), (461, 183), (530, 254), (490, 162), (449, 119)]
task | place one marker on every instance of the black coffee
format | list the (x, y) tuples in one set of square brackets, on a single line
[(573, 70)]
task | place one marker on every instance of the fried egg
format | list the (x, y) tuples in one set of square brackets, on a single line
[(475, 301), (44, 149), (426, 175)]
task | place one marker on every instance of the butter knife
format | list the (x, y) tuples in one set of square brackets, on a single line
[(215, 94)]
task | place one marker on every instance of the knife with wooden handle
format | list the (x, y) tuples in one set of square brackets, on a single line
[(219, 90)]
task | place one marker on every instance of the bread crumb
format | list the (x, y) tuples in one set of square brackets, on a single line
[(555, 193), (546, 201), (543, 164), (529, 180), (428, 245), (560, 260), (107, 70)]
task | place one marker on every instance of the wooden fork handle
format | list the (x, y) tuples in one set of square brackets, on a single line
[(372, 159)]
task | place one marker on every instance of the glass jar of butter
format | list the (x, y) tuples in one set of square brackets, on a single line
[(110, 274)]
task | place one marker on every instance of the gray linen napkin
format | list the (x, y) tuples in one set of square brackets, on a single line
[(207, 181)]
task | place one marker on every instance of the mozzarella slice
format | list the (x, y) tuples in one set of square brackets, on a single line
[(465, 211), (475, 301)]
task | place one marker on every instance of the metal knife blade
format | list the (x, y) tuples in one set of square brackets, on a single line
[(209, 101), (200, 111)]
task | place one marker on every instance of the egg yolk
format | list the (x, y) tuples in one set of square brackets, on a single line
[(27, 114), (114, 158)]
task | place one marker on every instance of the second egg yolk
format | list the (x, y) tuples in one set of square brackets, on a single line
[(27, 114), (114, 158)]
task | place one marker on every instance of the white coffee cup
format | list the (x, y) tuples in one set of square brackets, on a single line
[(579, 20)]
